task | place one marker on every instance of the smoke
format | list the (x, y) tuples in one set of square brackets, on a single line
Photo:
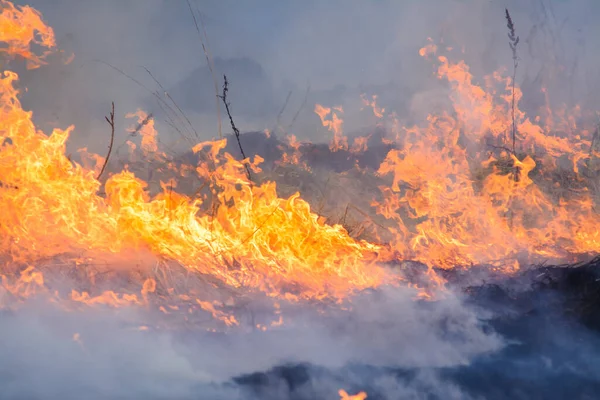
[(49, 353), (41, 358), (385, 343), (337, 49)]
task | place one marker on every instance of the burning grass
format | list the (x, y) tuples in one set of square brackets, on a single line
[(293, 222)]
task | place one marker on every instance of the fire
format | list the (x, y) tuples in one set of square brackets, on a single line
[(247, 238), (145, 127), (452, 192), (293, 157), (20, 27), (334, 125), (378, 111), (345, 396), (454, 218)]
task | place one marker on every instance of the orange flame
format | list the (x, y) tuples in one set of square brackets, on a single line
[(249, 239), (20, 27), (145, 127), (345, 396), (255, 239), (453, 192), (339, 141), (453, 218), (372, 103)]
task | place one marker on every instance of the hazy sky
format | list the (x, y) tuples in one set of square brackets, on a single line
[(338, 46)]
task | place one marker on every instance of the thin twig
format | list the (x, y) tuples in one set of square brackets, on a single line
[(160, 100), (111, 122), (301, 107), (236, 131), (513, 42), (167, 95), (595, 138), (345, 215), (211, 68), (142, 124), (285, 103), (210, 64)]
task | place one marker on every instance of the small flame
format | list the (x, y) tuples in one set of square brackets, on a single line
[(334, 125), (345, 396), (372, 103)]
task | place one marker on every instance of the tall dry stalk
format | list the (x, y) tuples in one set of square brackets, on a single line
[(236, 131), (111, 123), (513, 42)]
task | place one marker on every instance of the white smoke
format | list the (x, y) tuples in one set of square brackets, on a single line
[(46, 353)]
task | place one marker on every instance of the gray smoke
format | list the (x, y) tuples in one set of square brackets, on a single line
[(339, 49), (46, 353)]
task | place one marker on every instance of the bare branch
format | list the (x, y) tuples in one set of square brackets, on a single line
[(236, 131), (111, 122)]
